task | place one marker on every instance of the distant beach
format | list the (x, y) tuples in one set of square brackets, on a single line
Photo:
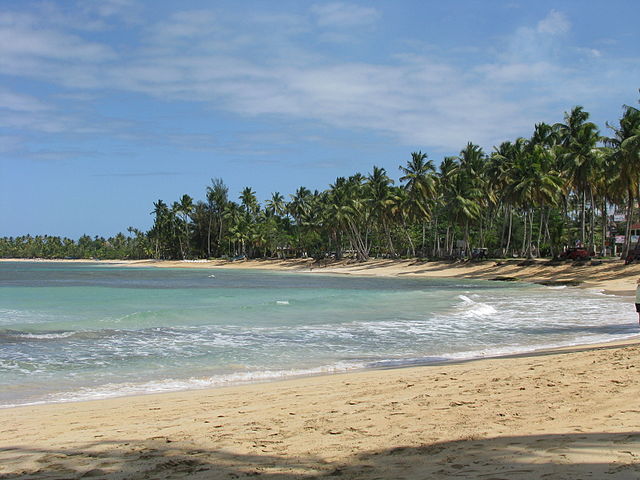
[(610, 275)]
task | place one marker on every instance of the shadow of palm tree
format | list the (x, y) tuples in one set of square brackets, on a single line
[(613, 456)]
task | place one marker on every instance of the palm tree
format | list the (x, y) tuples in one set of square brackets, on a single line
[(531, 183), (249, 201), (545, 135), (497, 172), (419, 173), (349, 213), (276, 205), (217, 199), (183, 210), (578, 140), (446, 176), (626, 157), (298, 207), (404, 209), (467, 188), (379, 193), (161, 229)]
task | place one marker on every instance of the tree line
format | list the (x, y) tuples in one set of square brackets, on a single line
[(529, 197)]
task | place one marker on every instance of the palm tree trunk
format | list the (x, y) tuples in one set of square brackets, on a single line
[(529, 215), (509, 231), (406, 231), (186, 239), (524, 237), (220, 232), (583, 218), (592, 232), (504, 230), (542, 215), (387, 232), (466, 238), (548, 235), (603, 212), (436, 239), (627, 238), (209, 237)]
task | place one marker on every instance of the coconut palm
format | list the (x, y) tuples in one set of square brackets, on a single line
[(467, 192), (421, 184), (531, 183), (249, 201), (298, 208), (419, 175), (625, 156), (276, 205), (378, 189), (578, 138), (183, 210), (217, 199), (161, 230)]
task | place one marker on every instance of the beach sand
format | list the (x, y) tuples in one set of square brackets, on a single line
[(609, 275), (571, 413)]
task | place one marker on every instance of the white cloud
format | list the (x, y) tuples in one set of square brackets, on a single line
[(201, 57), (186, 24), (540, 43), (10, 143), (126, 9), (520, 72), (343, 15), (17, 102), (23, 36), (555, 23), (594, 52)]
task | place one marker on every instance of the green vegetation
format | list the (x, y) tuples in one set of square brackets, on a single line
[(529, 197)]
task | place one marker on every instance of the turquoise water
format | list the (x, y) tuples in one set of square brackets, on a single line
[(81, 331)]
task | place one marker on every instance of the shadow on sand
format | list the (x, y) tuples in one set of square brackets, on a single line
[(561, 456)]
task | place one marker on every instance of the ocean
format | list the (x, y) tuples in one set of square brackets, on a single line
[(81, 331)]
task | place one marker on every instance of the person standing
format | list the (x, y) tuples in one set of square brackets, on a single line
[(638, 299)]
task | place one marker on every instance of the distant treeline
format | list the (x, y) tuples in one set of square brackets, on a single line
[(121, 246), (529, 197)]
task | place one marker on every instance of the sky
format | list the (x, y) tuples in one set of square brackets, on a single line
[(107, 106)]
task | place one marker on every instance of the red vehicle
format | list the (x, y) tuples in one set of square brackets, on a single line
[(576, 253)]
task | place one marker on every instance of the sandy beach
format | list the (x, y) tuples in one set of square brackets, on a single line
[(569, 413), (609, 275)]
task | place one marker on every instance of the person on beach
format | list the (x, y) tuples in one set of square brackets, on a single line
[(638, 299)]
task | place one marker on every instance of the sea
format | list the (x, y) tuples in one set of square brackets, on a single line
[(80, 331)]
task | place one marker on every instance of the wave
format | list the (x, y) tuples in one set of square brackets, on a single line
[(44, 336), (470, 308), (113, 390)]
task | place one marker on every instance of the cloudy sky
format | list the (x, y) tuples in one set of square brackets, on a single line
[(109, 105)]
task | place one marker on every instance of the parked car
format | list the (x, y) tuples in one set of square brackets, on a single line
[(576, 253), (479, 253)]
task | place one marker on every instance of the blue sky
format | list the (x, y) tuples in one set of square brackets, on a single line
[(109, 105)]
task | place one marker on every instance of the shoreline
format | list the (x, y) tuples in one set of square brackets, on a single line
[(466, 418), (631, 340), (610, 275)]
